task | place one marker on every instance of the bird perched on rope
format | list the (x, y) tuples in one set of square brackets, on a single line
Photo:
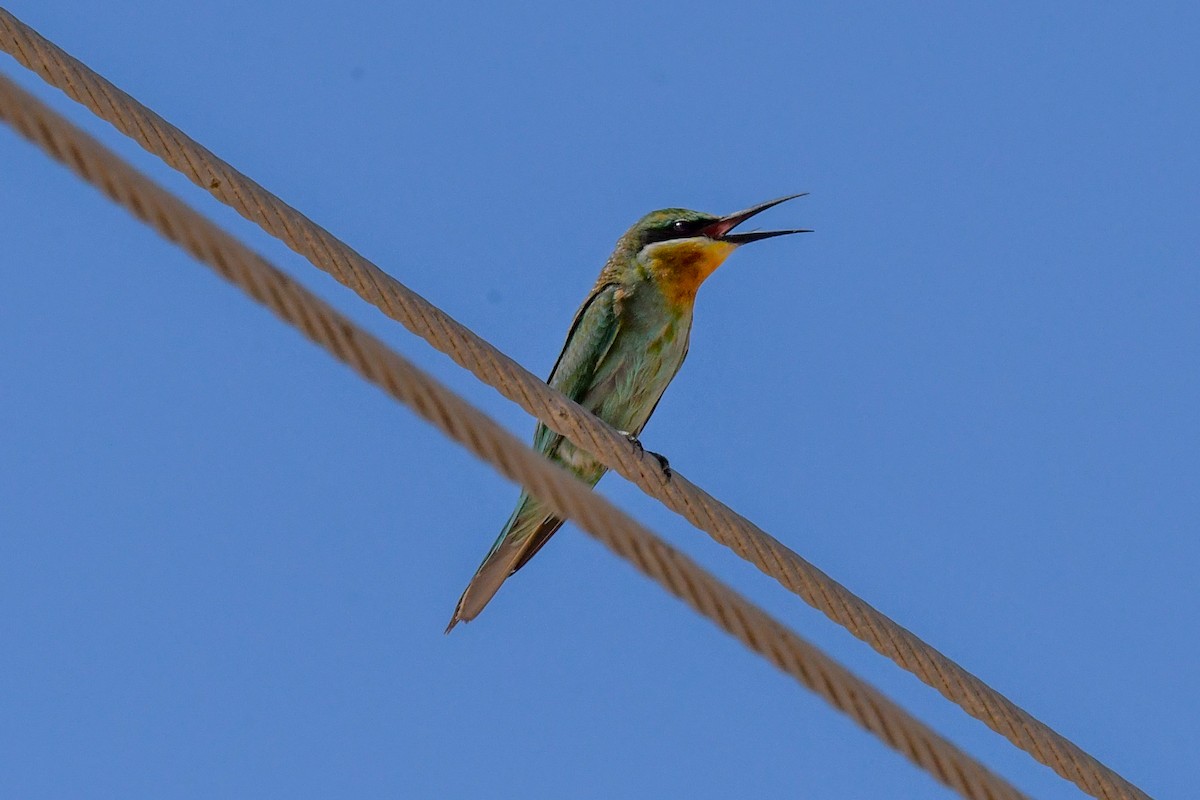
[(627, 342)]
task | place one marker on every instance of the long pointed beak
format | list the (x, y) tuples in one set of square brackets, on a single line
[(720, 229)]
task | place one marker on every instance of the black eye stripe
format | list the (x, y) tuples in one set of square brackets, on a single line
[(676, 229)]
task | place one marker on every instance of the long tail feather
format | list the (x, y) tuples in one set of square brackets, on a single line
[(527, 530)]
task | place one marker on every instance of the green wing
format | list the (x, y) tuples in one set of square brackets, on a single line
[(588, 341), (531, 525)]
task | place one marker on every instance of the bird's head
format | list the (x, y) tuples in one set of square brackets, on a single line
[(680, 248)]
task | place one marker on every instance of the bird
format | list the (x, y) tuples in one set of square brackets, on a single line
[(627, 342)]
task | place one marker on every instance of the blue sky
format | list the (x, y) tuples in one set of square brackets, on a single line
[(226, 562)]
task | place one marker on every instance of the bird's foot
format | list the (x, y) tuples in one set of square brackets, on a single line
[(662, 460)]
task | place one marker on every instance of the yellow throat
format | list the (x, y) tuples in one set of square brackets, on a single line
[(681, 265)]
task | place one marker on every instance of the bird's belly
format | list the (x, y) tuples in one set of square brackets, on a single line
[(643, 359), (625, 400)]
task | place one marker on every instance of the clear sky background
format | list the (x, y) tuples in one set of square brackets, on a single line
[(971, 396)]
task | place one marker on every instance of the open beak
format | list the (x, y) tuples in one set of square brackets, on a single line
[(720, 230)]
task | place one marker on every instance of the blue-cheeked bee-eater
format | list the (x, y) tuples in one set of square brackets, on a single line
[(627, 342)]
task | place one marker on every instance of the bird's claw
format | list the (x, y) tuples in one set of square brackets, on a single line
[(662, 460)]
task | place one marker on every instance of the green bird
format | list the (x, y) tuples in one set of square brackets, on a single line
[(627, 342)]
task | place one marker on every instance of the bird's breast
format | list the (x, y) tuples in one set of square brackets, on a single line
[(648, 352)]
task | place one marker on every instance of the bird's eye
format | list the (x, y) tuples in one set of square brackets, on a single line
[(679, 225)]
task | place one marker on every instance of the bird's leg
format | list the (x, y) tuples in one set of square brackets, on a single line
[(662, 460), (635, 441)]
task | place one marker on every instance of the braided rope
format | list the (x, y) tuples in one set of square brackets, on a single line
[(560, 414), (374, 361)]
